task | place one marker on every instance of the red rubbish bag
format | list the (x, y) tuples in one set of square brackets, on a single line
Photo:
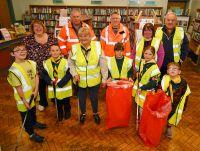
[(118, 103), (156, 109)]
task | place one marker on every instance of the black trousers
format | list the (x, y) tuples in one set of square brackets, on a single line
[(93, 93), (42, 93), (63, 104), (30, 120)]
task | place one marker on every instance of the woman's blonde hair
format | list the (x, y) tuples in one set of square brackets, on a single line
[(37, 22), (85, 30)]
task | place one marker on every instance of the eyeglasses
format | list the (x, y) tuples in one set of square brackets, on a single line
[(19, 49)]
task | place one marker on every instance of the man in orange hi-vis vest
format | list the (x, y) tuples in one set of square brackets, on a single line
[(68, 34), (115, 32)]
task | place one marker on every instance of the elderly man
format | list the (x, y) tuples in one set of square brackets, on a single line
[(115, 32), (68, 34), (86, 64), (175, 41)]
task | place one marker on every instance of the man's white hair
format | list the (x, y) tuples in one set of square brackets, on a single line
[(170, 13)]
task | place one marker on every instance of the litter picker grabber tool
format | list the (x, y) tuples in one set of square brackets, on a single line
[(20, 134), (56, 103)]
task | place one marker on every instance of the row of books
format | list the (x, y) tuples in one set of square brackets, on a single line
[(45, 16)]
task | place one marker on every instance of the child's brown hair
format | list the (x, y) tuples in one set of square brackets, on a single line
[(151, 48), (174, 64), (119, 46)]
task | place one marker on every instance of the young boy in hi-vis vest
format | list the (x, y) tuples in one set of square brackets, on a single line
[(57, 73), (147, 77), (177, 88), (119, 66), (24, 79)]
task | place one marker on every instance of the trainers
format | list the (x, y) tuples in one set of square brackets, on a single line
[(37, 138), (82, 118), (40, 125), (96, 118), (41, 108), (67, 115), (168, 132)]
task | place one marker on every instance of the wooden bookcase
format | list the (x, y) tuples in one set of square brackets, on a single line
[(100, 15), (195, 40)]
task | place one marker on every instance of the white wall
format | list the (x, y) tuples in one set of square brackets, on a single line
[(21, 5)]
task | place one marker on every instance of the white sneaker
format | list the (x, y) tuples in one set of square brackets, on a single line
[(40, 108)]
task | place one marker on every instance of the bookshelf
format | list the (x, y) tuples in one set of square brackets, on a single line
[(100, 15), (195, 40), (183, 21)]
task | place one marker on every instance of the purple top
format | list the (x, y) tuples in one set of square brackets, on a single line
[(160, 53)]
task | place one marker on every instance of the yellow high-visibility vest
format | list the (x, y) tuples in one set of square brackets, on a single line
[(65, 91), (151, 72), (177, 41), (88, 70), (112, 66), (176, 117), (27, 89), (139, 49)]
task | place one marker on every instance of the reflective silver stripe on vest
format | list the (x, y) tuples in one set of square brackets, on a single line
[(61, 39), (25, 87), (21, 102), (142, 97), (176, 54), (103, 38), (155, 72), (60, 89), (88, 67), (91, 76), (72, 40), (63, 47)]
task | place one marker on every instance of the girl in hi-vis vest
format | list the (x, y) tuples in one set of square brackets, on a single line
[(147, 77), (178, 89), (57, 73)]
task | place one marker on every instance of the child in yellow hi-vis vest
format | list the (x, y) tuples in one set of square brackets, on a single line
[(24, 79), (57, 73), (178, 89), (147, 77), (119, 66)]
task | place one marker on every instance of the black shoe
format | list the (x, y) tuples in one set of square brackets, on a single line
[(96, 118), (67, 115), (82, 118), (37, 138), (40, 125)]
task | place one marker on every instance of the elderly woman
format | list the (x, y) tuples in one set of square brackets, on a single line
[(37, 45), (86, 64), (148, 39)]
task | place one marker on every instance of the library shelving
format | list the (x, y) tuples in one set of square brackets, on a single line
[(195, 40), (100, 15)]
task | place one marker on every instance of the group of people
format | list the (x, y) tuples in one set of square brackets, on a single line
[(79, 60)]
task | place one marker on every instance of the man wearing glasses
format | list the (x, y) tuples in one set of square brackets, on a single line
[(114, 33), (175, 41)]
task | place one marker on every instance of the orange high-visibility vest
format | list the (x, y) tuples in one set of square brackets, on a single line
[(109, 39), (67, 37)]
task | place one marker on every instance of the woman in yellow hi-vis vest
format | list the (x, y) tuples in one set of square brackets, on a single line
[(148, 39), (178, 89), (87, 66), (119, 66), (57, 73), (147, 77), (24, 79)]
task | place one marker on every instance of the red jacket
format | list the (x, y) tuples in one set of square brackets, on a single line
[(67, 37), (109, 39)]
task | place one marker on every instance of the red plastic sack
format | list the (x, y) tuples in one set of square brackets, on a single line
[(118, 103), (156, 109)]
